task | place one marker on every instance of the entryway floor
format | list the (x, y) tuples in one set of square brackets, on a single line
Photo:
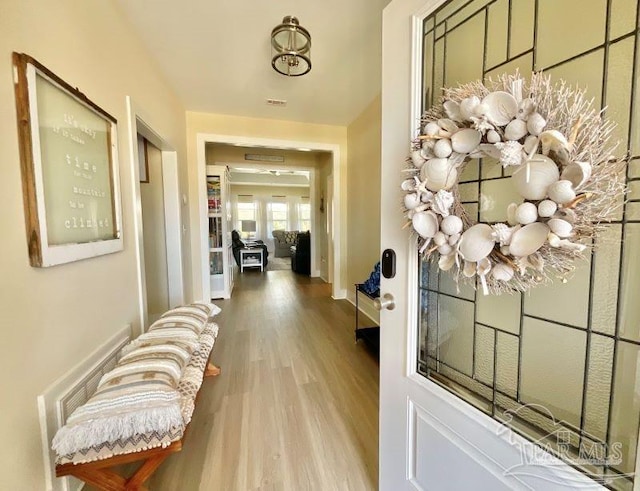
[(296, 404)]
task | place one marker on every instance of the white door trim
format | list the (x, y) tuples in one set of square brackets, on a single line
[(138, 123), (201, 283)]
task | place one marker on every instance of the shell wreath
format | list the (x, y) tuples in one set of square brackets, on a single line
[(556, 148)]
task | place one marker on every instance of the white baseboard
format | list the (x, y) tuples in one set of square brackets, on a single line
[(342, 294)]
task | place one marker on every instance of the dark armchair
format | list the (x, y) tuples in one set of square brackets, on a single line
[(301, 254), (237, 244)]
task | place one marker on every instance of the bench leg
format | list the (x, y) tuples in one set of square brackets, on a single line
[(211, 370), (107, 480), (135, 482)]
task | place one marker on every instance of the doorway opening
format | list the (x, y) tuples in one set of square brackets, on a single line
[(274, 185), (158, 228)]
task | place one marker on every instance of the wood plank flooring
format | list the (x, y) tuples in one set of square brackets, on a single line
[(296, 405)]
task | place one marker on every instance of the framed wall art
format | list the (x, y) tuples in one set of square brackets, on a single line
[(69, 162)]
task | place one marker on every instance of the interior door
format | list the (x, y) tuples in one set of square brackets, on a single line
[(429, 437)]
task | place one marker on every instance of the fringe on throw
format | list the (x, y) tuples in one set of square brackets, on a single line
[(73, 438)]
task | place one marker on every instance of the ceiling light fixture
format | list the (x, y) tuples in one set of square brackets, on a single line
[(290, 48)]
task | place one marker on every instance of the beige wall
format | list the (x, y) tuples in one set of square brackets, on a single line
[(53, 317), (228, 154), (259, 128), (155, 242), (363, 235)]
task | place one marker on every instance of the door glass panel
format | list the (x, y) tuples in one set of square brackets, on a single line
[(564, 358), (559, 39)]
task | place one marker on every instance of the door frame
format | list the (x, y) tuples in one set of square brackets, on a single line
[(139, 123), (200, 281), (465, 426)]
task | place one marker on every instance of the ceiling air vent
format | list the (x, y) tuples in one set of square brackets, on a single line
[(276, 102)]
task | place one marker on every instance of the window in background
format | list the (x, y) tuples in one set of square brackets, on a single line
[(304, 214), (247, 210), (278, 214)]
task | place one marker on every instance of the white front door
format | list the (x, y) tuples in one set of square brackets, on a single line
[(429, 438)]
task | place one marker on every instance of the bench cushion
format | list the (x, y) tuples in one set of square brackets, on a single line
[(187, 389)]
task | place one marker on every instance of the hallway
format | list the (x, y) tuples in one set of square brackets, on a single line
[(296, 405)]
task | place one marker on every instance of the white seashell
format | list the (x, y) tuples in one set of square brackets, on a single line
[(481, 110), (476, 242), (452, 109), (526, 213), (409, 185), (560, 227), (502, 272), (553, 140), (568, 215), (417, 158), (469, 269), (547, 208), (445, 249), (466, 140), (526, 107), (493, 136), (412, 201), (531, 144), (555, 241), (502, 233), (542, 173), (451, 225), (577, 172), (515, 130), (535, 123), (439, 239), (483, 267), (502, 107), (427, 151), (439, 174), (510, 153), (528, 239), (533, 261), (511, 214), (431, 128), (427, 196), (453, 239), (468, 106), (561, 192), (506, 250), (448, 125), (442, 148), (442, 202), (445, 263), (425, 223)]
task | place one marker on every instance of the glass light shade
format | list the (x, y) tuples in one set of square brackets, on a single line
[(291, 48)]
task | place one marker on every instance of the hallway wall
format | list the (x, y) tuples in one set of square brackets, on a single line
[(53, 317), (363, 239)]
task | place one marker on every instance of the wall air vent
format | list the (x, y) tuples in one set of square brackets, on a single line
[(276, 102), (264, 158)]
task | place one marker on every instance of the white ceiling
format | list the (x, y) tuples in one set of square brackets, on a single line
[(217, 55)]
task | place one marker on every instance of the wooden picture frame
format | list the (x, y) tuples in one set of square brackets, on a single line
[(69, 163)]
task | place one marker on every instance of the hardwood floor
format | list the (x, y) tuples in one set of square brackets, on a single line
[(296, 404)]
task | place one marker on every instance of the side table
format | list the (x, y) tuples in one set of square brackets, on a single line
[(251, 258)]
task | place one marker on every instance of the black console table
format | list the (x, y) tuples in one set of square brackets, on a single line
[(370, 335)]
